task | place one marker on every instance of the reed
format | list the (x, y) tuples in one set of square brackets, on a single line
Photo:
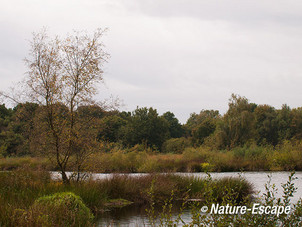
[(21, 189)]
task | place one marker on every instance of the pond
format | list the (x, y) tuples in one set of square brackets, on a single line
[(136, 215)]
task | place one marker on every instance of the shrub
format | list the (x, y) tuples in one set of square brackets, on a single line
[(59, 209)]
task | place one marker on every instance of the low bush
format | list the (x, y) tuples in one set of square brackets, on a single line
[(59, 209)]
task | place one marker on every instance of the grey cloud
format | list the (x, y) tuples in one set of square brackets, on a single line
[(180, 55), (248, 11)]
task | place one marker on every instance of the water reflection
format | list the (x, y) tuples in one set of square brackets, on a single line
[(134, 215)]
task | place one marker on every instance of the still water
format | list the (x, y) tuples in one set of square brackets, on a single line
[(136, 216)]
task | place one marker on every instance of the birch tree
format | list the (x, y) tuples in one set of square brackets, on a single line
[(63, 75)]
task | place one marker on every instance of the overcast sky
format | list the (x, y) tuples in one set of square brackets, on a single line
[(174, 55)]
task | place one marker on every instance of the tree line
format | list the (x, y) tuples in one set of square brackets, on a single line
[(22, 128)]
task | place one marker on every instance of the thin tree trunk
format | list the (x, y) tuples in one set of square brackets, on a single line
[(64, 177)]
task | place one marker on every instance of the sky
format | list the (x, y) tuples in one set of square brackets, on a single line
[(181, 56)]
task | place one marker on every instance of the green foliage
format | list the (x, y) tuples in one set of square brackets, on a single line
[(237, 126), (4, 112), (266, 125), (109, 129), (296, 123), (9, 143), (175, 145), (284, 119), (92, 111), (145, 126), (202, 125), (175, 128), (10, 138), (22, 129), (59, 209)]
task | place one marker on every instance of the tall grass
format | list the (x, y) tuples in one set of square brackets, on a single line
[(286, 156), (227, 197), (13, 163), (21, 189)]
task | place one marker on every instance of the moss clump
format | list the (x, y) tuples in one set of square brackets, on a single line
[(59, 209)]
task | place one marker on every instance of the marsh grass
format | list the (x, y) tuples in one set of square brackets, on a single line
[(14, 163), (21, 189), (251, 157), (230, 197)]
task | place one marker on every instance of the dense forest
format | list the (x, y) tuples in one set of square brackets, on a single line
[(244, 123)]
